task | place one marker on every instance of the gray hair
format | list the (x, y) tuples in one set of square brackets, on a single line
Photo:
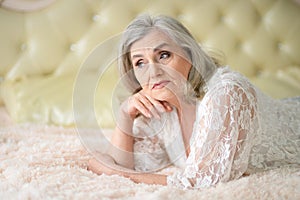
[(203, 66)]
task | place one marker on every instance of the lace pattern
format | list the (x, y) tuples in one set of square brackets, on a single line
[(237, 130)]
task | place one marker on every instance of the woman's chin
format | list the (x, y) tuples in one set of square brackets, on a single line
[(164, 95)]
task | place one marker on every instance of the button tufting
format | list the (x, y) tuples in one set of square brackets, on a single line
[(180, 16), (23, 47), (222, 19), (96, 18), (280, 46), (73, 47)]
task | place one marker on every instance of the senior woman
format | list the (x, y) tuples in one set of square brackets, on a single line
[(188, 111)]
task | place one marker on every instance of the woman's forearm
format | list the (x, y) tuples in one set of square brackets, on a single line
[(140, 177), (121, 148), (157, 179), (121, 143), (109, 168)]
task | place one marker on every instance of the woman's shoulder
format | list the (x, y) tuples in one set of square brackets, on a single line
[(228, 82), (226, 77)]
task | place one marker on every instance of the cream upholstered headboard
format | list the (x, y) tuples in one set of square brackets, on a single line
[(41, 51)]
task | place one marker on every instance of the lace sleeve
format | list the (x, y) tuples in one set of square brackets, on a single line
[(223, 124)]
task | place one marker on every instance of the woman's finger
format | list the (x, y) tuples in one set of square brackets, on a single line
[(149, 105), (95, 166), (157, 104), (167, 106), (138, 107)]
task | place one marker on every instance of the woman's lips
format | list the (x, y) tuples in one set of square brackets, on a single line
[(160, 85)]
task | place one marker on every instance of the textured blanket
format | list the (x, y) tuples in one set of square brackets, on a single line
[(49, 162)]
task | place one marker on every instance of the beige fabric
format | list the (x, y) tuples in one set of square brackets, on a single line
[(26, 5), (43, 50), (46, 162)]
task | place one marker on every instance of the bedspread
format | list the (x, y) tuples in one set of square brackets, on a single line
[(50, 162)]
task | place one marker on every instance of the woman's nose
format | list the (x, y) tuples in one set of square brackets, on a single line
[(155, 70)]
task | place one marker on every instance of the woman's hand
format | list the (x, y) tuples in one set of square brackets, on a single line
[(104, 164), (122, 141), (142, 103)]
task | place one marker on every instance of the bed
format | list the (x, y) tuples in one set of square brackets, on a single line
[(50, 162)]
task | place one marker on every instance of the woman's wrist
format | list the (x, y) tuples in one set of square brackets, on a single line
[(121, 147), (125, 122)]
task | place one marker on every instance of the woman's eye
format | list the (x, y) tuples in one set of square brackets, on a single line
[(139, 64), (164, 55)]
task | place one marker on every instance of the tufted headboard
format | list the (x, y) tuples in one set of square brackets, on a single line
[(41, 51)]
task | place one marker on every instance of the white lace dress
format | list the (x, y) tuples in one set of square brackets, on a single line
[(238, 130)]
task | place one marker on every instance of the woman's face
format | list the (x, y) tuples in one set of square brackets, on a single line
[(160, 65)]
